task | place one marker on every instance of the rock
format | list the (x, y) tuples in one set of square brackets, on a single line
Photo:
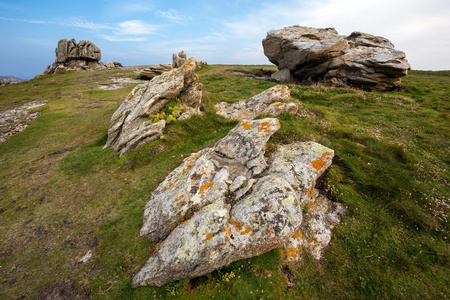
[(130, 126), (15, 120), (284, 76), (5, 82), (219, 206), (155, 70), (178, 60), (201, 64), (359, 60), (273, 102), (117, 64), (80, 56)]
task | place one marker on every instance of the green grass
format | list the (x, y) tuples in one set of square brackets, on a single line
[(62, 194)]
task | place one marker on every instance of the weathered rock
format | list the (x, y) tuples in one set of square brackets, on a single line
[(15, 120), (273, 101), (284, 76), (155, 70), (80, 56), (213, 210), (130, 127), (360, 60), (178, 60)]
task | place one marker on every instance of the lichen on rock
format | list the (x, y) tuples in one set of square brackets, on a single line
[(130, 127), (273, 101), (225, 203)]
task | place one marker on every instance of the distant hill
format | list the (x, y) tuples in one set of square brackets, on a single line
[(10, 78)]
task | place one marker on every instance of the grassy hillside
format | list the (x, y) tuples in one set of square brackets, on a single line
[(62, 194)]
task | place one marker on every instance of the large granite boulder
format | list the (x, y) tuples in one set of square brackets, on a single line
[(273, 101), (130, 126), (80, 56), (225, 204), (359, 60)]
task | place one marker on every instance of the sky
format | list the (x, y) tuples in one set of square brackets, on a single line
[(218, 32)]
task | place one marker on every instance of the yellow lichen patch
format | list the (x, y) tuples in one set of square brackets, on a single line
[(208, 237), (318, 164), (236, 223), (283, 252), (269, 230), (170, 184), (274, 240), (246, 125), (206, 186), (264, 127), (225, 228), (247, 230), (178, 198), (173, 227)]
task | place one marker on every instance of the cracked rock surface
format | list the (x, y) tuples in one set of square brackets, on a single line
[(130, 127), (273, 101), (225, 203)]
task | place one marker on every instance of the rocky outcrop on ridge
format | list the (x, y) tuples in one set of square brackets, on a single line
[(225, 204), (80, 56), (131, 128), (158, 69), (359, 60), (272, 101), (15, 120)]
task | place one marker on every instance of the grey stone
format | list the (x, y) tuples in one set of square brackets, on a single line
[(207, 217), (359, 60)]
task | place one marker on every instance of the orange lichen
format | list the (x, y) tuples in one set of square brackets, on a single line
[(206, 186), (208, 237), (173, 227), (236, 223), (246, 125), (269, 230), (264, 127), (311, 191), (247, 230), (318, 164), (278, 105), (299, 234), (292, 253)]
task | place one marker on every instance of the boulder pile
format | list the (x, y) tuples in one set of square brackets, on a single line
[(359, 60), (225, 204), (80, 56), (131, 126)]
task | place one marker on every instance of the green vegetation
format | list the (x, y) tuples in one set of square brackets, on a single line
[(62, 194)]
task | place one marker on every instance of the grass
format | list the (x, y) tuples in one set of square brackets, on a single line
[(62, 194)]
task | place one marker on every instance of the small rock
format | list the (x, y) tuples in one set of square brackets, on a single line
[(86, 257)]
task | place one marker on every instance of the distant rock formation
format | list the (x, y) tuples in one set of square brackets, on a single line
[(4, 80), (224, 204), (158, 69), (360, 60), (80, 56), (131, 127)]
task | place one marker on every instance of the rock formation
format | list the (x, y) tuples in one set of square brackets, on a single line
[(80, 56), (360, 60), (15, 120), (158, 69), (155, 70), (273, 102), (130, 126), (223, 204)]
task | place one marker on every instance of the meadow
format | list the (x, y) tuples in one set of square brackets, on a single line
[(62, 194)]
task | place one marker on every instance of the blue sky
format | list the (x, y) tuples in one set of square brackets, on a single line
[(219, 32)]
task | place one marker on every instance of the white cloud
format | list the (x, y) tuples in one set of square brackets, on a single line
[(135, 27), (173, 16)]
